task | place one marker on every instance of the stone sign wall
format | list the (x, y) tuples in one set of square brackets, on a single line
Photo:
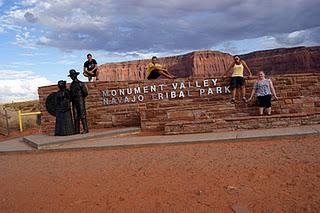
[(192, 105)]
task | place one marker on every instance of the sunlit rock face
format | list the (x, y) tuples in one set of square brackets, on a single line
[(214, 63), (285, 60)]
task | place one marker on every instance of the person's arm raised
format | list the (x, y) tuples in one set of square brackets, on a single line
[(229, 68)]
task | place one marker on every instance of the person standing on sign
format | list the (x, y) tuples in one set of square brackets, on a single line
[(155, 70), (90, 68), (264, 89), (79, 92), (237, 79)]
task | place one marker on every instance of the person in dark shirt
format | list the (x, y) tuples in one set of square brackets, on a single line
[(90, 68)]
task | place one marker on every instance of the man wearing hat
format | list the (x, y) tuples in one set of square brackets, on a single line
[(78, 93)]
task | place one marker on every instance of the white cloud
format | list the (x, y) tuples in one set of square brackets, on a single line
[(269, 42), (123, 26), (66, 62), (295, 34), (20, 85), (230, 47), (297, 38), (44, 40), (29, 2), (22, 63), (9, 66), (12, 74), (26, 40), (33, 54)]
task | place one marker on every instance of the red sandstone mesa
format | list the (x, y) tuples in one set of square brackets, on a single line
[(194, 64), (285, 60), (214, 63)]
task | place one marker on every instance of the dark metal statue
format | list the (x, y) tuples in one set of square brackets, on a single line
[(51, 103), (79, 92), (64, 124)]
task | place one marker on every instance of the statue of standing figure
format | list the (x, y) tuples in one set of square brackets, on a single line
[(64, 124), (79, 92)]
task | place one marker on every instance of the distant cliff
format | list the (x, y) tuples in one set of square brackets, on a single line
[(285, 60), (214, 63)]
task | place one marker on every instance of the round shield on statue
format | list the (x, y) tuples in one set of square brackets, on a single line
[(51, 103)]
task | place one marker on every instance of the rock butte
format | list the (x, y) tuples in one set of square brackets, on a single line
[(200, 64)]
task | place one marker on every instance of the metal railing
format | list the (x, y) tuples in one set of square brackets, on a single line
[(20, 115)]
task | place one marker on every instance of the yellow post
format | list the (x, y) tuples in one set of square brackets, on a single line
[(20, 120), (25, 114)]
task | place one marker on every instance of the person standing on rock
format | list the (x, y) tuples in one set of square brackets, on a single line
[(155, 70), (79, 92), (90, 68), (264, 89), (237, 79)]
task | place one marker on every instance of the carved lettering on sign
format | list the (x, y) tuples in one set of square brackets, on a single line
[(175, 90)]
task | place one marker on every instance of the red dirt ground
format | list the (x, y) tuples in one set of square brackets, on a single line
[(281, 175), (31, 131), (17, 134)]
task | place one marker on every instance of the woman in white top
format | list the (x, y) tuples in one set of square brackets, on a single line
[(264, 89)]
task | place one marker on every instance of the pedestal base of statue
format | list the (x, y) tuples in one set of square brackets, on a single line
[(45, 141)]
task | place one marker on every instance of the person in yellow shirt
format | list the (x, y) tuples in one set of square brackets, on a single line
[(155, 70), (237, 79)]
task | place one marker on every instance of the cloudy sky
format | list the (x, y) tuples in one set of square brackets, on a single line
[(42, 39)]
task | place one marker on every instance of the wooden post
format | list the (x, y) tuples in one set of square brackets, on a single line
[(7, 121)]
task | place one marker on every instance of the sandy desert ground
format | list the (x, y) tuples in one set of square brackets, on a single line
[(277, 175)]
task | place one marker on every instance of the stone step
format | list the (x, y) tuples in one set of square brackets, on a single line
[(245, 122), (42, 141), (269, 116), (103, 124)]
